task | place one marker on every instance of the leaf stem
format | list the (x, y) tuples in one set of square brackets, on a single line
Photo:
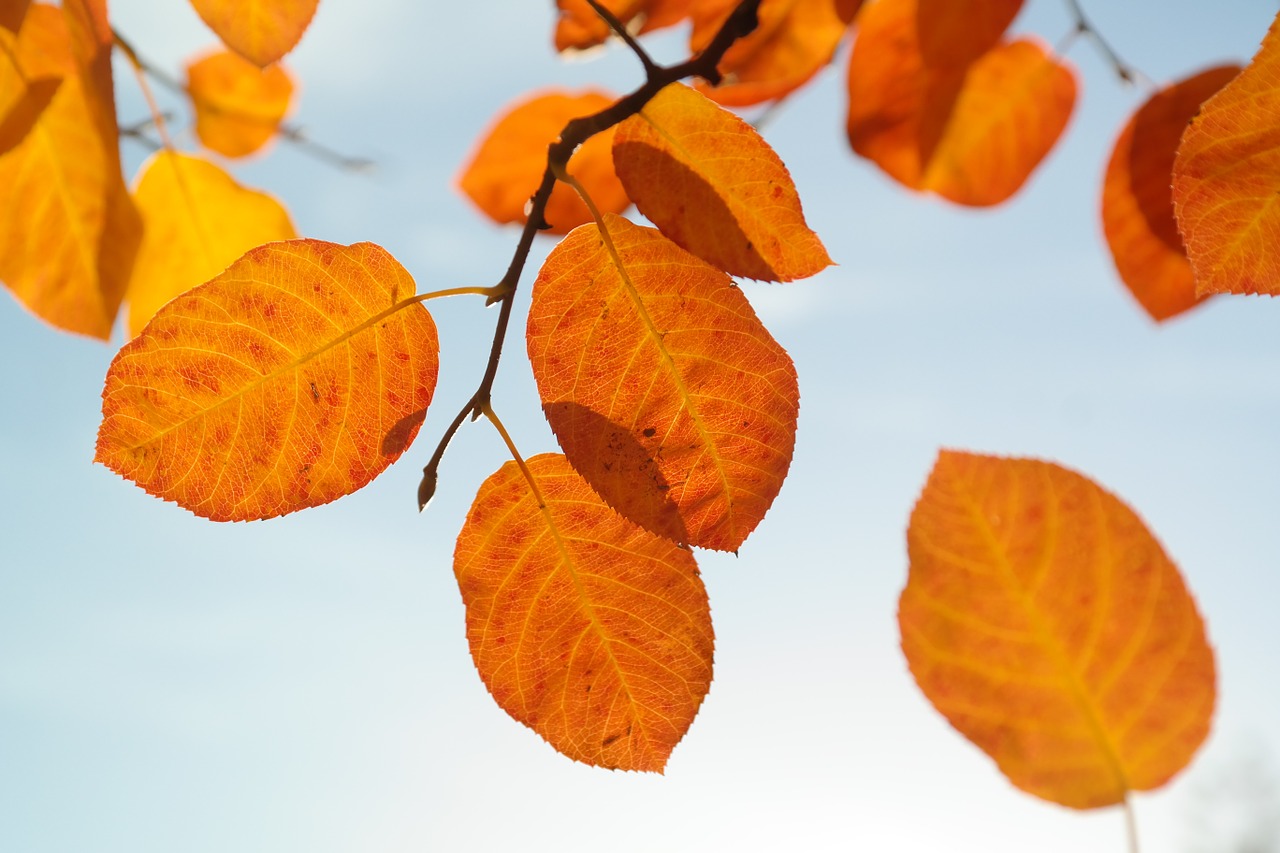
[(492, 417), (139, 71), (1131, 824)]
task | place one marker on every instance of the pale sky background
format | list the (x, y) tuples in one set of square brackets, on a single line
[(303, 684)]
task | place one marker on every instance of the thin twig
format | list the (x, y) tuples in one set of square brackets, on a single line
[(623, 33), (1126, 72), (1131, 825)]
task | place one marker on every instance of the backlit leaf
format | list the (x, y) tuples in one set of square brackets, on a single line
[(196, 221), (794, 40), (1226, 178), (288, 381), (715, 187), (957, 32), (68, 229), (507, 168), (664, 389), (11, 14), (1137, 202), (594, 633), (972, 134), (238, 105), (261, 31), (22, 99), (1046, 623), (580, 27)]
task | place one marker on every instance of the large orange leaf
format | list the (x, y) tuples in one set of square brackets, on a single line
[(594, 633), (507, 167), (1226, 177), (196, 220), (261, 31), (1046, 623), (664, 389), (238, 105), (714, 186), (1137, 203), (22, 98), (68, 229), (971, 133), (794, 40), (288, 381), (957, 32), (580, 27)]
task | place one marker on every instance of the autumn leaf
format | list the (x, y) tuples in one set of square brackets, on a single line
[(238, 105), (68, 230), (972, 134), (11, 14), (196, 220), (1046, 623), (1226, 178), (293, 378), (664, 389), (958, 32), (261, 31), (715, 187), (1137, 202), (507, 168), (594, 633), (22, 100), (793, 41), (579, 26)]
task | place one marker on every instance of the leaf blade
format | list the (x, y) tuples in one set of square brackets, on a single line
[(262, 31), (238, 106)]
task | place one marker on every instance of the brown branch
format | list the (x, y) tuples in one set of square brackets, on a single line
[(1126, 72), (741, 22)]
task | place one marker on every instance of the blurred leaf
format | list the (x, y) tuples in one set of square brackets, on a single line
[(261, 31), (238, 105)]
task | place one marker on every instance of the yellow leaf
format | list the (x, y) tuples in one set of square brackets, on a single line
[(238, 105)]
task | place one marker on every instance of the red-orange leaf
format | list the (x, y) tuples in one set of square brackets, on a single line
[(1226, 181), (594, 633), (507, 167), (238, 105), (664, 389), (288, 381), (11, 14), (1137, 203), (580, 27), (1046, 623), (972, 133), (261, 31), (715, 187), (957, 32), (794, 40)]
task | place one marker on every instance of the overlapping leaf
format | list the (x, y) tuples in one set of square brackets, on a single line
[(1046, 623), (1137, 202), (970, 133), (958, 32), (580, 27), (22, 99), (715, 187), (197, 220), (261, 31), (68, 230), (793, 41), (591, 631), (507, 167), (664, 389), (1225, 181), (11, 14), (288, 381), (238, 105)]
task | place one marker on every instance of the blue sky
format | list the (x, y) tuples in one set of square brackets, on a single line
[(304, 684)]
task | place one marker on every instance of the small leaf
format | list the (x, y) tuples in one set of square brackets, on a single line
[(664, 389), (288, 381), (715, 187), (507, 168), (958, 32), (238, 105), (972, 134), (1226, 179), (592, 632), (579, 26), (197, 220), (1046, 623), (261, 31), (1137, 203)]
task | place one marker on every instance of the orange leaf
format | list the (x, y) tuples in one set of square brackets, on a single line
[(1045, 622), (794, 40), (664, 389), (592, 632), (507, 168), (1137, 203), (958, 32), (196, 220), (22, 99), (11, 14), (238, 105), (973, 134), (288, 381), (580, 27), (714, 186), (68, 230), (1225, 181), (261, 31)]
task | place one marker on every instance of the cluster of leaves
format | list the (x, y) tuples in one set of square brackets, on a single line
[(268, 374)]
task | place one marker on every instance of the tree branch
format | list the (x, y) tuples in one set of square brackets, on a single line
[(1126, 72)]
